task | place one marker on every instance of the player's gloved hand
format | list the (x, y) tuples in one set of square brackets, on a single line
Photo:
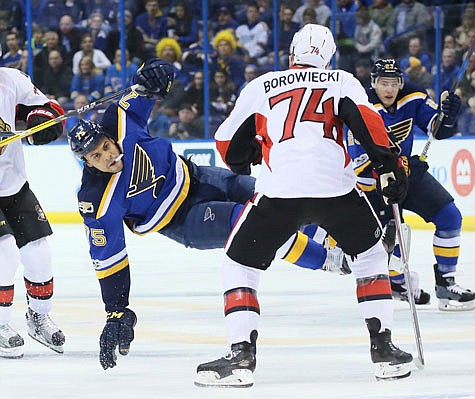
[(450, 104), (118, 331), (155, 78), (392, 183), (40, 115)]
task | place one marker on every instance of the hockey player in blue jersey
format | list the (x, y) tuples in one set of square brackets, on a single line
[(134, 179), (408, 111)]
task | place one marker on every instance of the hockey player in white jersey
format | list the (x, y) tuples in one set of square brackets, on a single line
[(306, 177), (23, 224)]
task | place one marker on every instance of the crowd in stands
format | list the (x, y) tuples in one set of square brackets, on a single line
[(77, 58)]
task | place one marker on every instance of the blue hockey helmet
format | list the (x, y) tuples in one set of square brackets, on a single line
[(386, 68), (84, 137)]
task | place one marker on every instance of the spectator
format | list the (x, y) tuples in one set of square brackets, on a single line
[(37, 39), (224, 20), (98, 30), (189, 125), (99, 59), (158, 123), (466, 121), (346, 25), (152, 24), (250, 73), (363, 68), (23, 66), (134, 42), (309, 16), (253, 34), (286, 31), (266, 13), (322, 12), (226, 59), (183, 27), (468, 24), (467, 83), (416, 49), (113, 75), (40, 62), (222, 93), (193, 56), (107, 8), (11, 59), (76, 9), (79, 102), (417, 74), (380, 13), (368, 36), (448, 71), (195, 93), (169, 49), (69, 35), (56, 78), (410, 18), (87, 81)]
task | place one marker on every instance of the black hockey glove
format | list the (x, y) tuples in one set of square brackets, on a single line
[(392, 183), (118, 331), (449, 105), (155, 78), (40, 115)]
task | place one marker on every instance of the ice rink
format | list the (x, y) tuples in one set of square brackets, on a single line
[(313, 342)]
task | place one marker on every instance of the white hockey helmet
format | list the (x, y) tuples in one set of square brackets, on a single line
[(313, 45)]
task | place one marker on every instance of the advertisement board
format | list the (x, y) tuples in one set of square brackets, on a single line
[(55, 174)]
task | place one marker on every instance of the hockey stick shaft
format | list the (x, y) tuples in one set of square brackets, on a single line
[(407, 277), (440, 116), (13, 136)]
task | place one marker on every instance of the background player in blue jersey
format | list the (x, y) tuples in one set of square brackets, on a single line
[(407, 111), (134, 179)]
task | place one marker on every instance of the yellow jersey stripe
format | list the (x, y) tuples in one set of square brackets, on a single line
[(107, 196), (165, 219)]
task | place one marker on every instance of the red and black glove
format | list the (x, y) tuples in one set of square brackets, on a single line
[(392, 181), (40, 115)]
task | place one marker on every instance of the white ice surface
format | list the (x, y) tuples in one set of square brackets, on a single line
[(312, 344)]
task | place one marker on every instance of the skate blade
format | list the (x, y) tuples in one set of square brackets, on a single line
[(42, 341), (387, 372), (449, 305), (240, 378), (12, 353)]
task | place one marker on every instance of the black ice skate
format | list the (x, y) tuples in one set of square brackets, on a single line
[(232, 371), (11, 344), (44, 330), (400, 291), (336, 262), (391, 362), (451, 295)]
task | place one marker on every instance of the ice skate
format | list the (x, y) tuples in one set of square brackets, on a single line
[(11, 344), (399, 290), (232, 371), (44, 330), (391, 362), (336, 262), (451, 295)]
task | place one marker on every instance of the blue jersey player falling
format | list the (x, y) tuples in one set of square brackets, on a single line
[(136, 180), (408, 111)]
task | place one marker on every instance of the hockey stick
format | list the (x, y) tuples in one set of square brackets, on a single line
[(8, 137), (419, 362), (440, 116)]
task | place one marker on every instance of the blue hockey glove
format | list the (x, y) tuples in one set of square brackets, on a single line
[(450, 106), (118, 331), (155, 77)]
